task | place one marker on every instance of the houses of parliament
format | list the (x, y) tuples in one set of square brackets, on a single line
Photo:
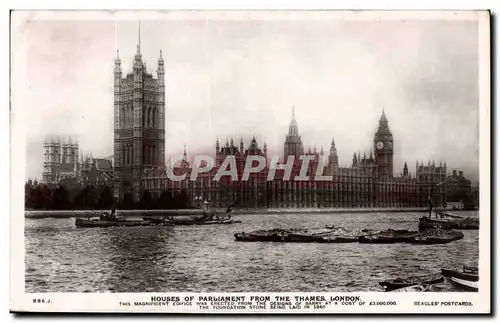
[(370, 181)]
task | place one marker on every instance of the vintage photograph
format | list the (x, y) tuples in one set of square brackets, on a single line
[(249, 152)]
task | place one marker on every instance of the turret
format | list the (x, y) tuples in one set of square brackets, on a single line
[(242, 147), (217, 147)]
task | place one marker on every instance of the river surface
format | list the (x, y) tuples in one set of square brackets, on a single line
[(63, 258)]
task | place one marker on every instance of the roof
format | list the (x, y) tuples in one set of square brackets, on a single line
[(103, 164)]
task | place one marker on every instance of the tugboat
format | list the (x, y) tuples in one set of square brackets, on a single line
[(209, 217), (109, 220)]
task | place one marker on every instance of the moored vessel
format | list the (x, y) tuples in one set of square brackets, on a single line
[(436, 236), (470, 273), (398, 283), (466, 284), (413, 289), (448, 221)]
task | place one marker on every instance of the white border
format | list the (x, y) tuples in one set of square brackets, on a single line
[(17, 160)]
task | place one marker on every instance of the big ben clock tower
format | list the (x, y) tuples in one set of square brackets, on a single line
[(384, 148)]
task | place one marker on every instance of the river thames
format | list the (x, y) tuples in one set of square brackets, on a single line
[(63, 258)]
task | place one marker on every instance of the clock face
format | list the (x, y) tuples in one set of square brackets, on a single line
[(380, 145), (389, 144)]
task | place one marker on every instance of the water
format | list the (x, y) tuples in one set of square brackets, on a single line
[(63, 258)]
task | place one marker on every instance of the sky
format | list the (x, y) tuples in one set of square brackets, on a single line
[(240, 77)]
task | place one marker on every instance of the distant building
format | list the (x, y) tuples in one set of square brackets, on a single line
[(63, 163), (458, 187), (61, 159), (368, 182)]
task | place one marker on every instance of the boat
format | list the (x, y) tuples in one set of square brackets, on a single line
[(340, 235), (412, 289), (101, 223), (468, 273), (328, 234), (106, 220), (388, 236), (445, 221), (436, 236), (199, 221), (466, 284), (276, 235), (397, 283)]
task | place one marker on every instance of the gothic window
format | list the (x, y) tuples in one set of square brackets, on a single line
[(144, 118), (149, 117)]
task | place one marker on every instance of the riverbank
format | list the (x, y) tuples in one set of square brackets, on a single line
[(40, 214)]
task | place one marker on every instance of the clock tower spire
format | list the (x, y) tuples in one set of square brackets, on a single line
[(384, 148)]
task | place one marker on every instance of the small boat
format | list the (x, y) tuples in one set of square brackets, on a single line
[(397, 283), (469, 273), (436, 236), (412, 289), (466, 284)]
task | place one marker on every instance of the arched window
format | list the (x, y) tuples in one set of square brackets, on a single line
[(149, 116), (144, 119), (123, 160)]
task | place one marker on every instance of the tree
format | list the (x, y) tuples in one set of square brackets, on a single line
[(182, 200), (128, 201), (106, 198), (146, 200), (165, 200), (86, 199), (60, 200)]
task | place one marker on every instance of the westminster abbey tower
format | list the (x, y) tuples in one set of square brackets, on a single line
[(139, 123)]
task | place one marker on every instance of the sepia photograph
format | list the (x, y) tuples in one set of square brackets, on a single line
[(242, 161)]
